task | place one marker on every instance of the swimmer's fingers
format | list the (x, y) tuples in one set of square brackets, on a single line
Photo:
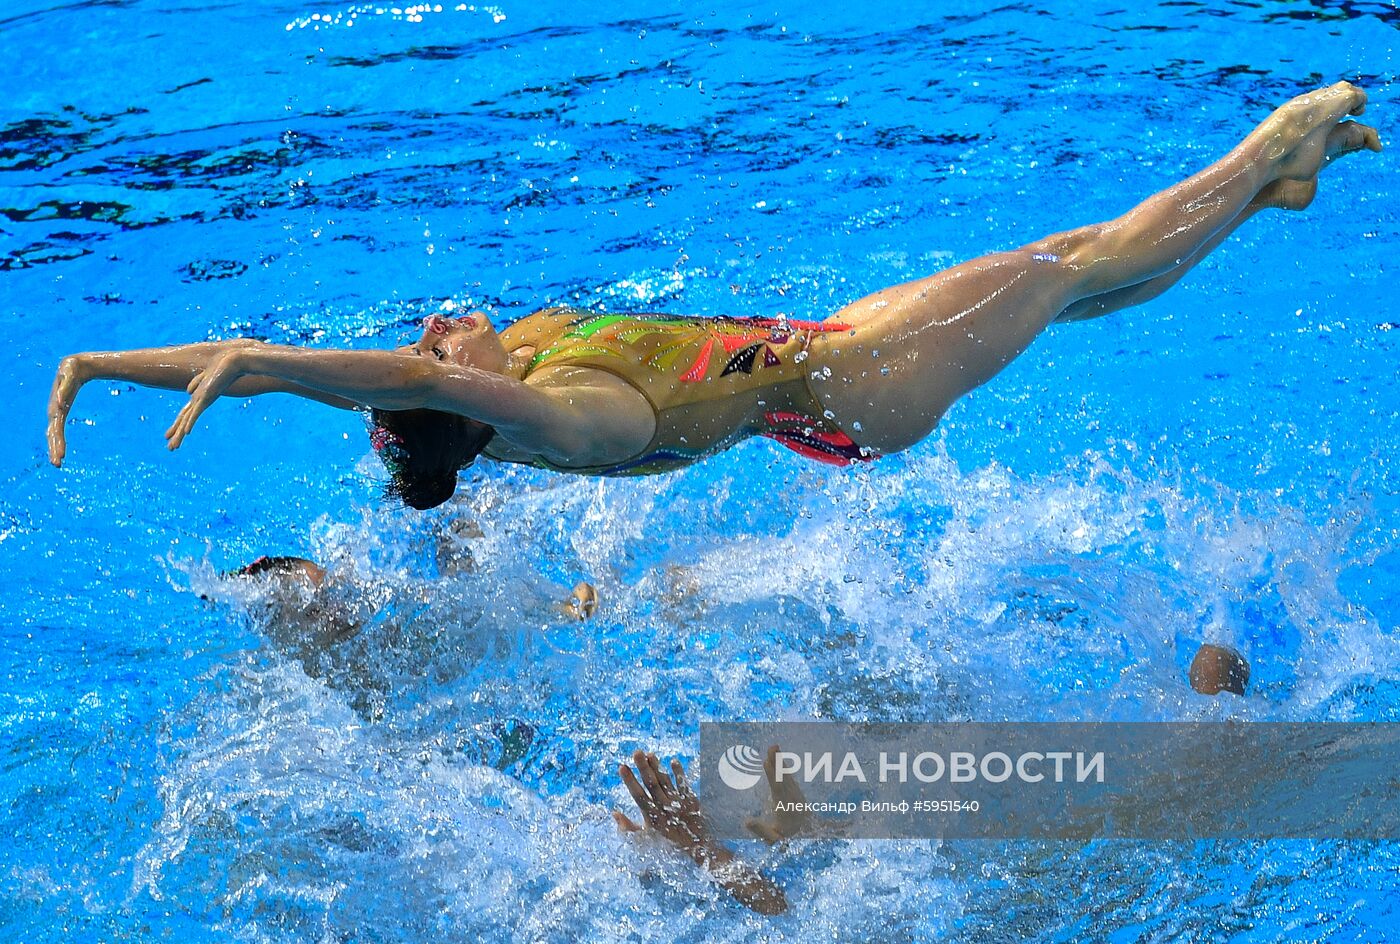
[(206, 387), (683, 789), (657, 783), (639, 794), (686, 799), (185, 419), (673, 794), (58, 445), (783, 790), (785, 800), (764, 830)]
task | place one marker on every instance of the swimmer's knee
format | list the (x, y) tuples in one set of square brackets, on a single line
[(1063, 264), (1083, 259), (1072, 245)]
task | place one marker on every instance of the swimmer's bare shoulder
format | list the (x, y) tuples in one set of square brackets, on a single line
[(614, 421)]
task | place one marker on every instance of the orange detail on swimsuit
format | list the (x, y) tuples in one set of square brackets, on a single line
[(702, 364), (800, 434)]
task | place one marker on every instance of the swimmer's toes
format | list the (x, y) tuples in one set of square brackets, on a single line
[(1331, 104), (1350, 137), (1343, 98)]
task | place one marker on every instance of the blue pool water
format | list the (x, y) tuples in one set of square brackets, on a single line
[(1216, 465)]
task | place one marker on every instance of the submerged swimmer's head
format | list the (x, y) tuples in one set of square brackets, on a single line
[(293, 568), (1217, 669), (425, 449)]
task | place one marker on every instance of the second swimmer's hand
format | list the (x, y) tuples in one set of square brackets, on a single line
[(207, 386), (672, 811), (785, 817), (668, 806)]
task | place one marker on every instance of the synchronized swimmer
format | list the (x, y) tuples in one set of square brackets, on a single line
[(602, 394)]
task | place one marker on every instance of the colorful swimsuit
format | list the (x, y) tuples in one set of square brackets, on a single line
[(711, 381)]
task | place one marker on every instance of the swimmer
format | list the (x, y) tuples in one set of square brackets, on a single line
[(296, 580), (598, 394), (296, 569), (305, 619), (1217, 669), (306, 615)]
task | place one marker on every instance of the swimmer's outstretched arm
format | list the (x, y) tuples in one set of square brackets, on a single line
[(393, 380), (672, 811), (164, 368), (568, 426)]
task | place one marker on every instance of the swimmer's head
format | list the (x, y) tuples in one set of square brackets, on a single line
[(1219, 669), (293, 568), (424, 450), (466, 340)]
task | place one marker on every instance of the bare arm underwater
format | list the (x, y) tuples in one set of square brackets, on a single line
[(549, 421)]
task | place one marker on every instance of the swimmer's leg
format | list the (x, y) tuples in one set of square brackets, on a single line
[(1105, 303), (915, 348), (1168, 228), (1344, 139)]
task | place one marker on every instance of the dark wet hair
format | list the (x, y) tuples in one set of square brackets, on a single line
[(424, 450), (279, 565)]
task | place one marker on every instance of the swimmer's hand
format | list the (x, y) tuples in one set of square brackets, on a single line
[(221, 373), (73, 372), (672, 811), (785, 817)]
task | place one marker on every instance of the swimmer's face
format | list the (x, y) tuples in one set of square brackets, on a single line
[(468, 341)]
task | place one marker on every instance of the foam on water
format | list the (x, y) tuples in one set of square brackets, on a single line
[(451, 765)]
